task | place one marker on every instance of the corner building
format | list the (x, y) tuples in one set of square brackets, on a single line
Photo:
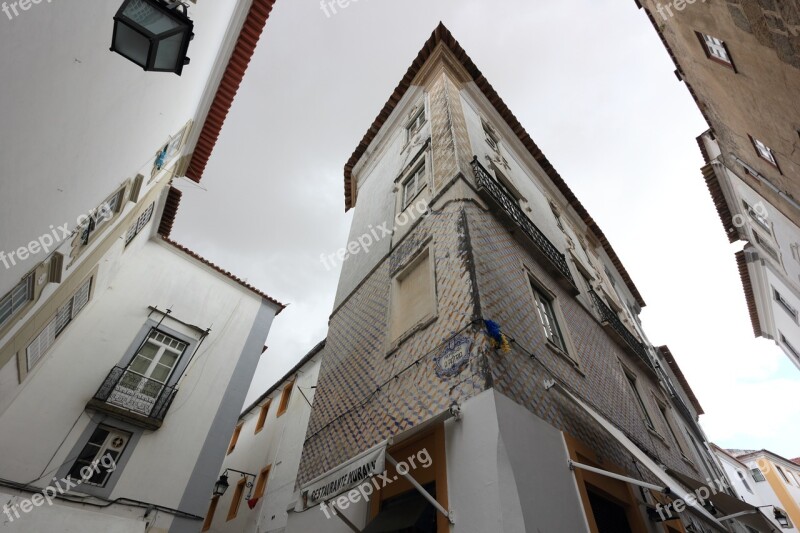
[(496, 334)]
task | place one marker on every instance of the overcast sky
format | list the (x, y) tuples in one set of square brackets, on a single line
[(592, 84)]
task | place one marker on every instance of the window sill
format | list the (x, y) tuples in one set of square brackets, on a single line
[(565, 356), (656, 434), (419, 326)]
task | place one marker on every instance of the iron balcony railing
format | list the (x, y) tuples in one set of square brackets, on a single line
[(510, 206), (143, 397), (609, 317)]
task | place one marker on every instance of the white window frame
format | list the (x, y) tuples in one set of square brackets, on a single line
[(789, 346), (115, 442), (545, 311), (416, 123), (767, 247), (45, 340), (419, 177), (17, 298), (539, 290), (633, 383), (113, 205), (716, 49), (784, 304), (757, 473), (764, 152), (140, 223), (758, 219)]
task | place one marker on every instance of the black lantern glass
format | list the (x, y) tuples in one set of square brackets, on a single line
[(153, 34), (221, 485)]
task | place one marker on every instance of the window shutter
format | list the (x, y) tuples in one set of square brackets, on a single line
[(41, 344), (81, 297)]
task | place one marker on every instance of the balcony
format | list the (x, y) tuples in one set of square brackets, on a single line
[(134, 398), (621, 334), (498, 195)]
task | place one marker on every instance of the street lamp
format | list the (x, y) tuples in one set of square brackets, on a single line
[(154, 34), (221, 485)]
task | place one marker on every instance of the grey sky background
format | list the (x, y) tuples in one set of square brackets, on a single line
[(592, 84)]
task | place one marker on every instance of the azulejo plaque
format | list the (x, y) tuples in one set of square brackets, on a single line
[(454, 357)]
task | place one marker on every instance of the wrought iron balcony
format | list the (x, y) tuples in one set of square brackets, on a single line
[(133, 397), (498, 194), (623, 335)]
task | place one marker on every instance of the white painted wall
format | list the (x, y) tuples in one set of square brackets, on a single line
[(56, 391), (766, 273), (507, 471), (280, 444), (65, 519), (79, 119)]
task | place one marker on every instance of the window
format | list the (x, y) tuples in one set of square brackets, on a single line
[(234, 438), (783, 474), (237, 499), (64, 315), (680, 442), (760, 219), (416, 123), (151, 367), (789, 347), (212, 509), (262, 416), (413, 295), (415, 183), (15, 300), (261, 484), (547, 318), (766, 246), (285, 396), (764, 152), (99, 457), (757, 475), (140, 223), (557, 215), (101, 215), (492, 138), (610, 276), (716, 49), (744, 481), (632, 382), (785, 304)]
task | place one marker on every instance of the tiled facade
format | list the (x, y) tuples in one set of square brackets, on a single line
[(370, 389)]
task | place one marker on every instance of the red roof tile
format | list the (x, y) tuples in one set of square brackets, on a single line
[(223, 100), (749, 294), (443, 35)]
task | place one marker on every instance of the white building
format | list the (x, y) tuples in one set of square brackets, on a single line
[(116, 343), (766, 480), (264, 455), (769, 263)]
